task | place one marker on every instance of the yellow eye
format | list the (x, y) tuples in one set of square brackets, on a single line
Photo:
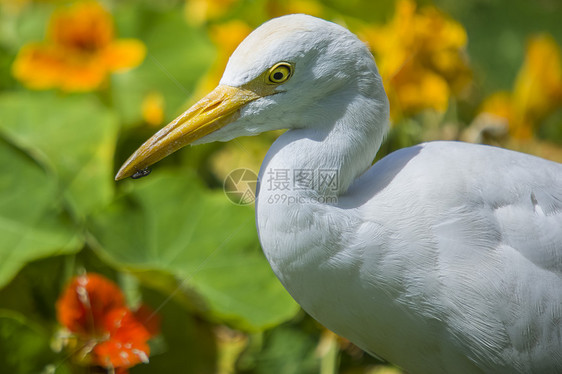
[(279, 73)]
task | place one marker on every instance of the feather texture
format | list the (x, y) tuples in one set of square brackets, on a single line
[(443, 257)]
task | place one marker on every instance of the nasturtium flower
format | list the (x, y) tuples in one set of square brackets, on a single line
[(537, 90), (200, 11), (420, 55), (102, 330), (85, 302), (152, 108), (127, 344), (79, 53)]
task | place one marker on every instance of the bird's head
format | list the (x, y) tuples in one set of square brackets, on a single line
[(286, 74)]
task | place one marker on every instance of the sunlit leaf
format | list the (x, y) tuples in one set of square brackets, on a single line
[(284, 350), (31, 223), (73, 136), (24, 347), (169, 222), (186, 343)]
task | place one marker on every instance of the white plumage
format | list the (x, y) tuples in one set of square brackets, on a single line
[(445, 257)]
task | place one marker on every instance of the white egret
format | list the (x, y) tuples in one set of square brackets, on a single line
[(445, 257)]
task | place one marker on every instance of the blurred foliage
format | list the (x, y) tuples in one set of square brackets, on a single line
[(83, 83)]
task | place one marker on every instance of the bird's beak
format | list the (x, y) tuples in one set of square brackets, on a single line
[(214, 111)]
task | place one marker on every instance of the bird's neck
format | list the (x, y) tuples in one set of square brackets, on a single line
[(323, 160), (302, 177)]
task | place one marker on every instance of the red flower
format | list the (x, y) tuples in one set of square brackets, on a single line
[(126, 346), (109, 334), (85, 302)]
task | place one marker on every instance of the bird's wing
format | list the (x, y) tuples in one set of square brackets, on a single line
[(473, 238), (479, 195)]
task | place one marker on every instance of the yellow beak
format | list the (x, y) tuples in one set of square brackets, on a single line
[(214, 111)]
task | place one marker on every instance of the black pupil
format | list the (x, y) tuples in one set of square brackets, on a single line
[(278, 76)]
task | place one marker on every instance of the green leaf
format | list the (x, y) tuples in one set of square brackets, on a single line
[(282, 350), (36, 287), (186, 344), (496, 60), (551, 128), (28, 24), (31, 223), (24, 346), (177, 56), (72, 136), (169, 222)]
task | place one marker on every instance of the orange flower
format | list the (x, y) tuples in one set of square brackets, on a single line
[(127, 344), (420, 54), (107, 333), (85, 303), (152, 108), (79, 53), (537, 91)]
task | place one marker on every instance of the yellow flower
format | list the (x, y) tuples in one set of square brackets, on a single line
[(420, 54), (79, 53), (199, 11), (226, 37), (153, 108), (276, 8), (537, 91)]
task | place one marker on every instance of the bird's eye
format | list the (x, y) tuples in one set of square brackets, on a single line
[(279, 73)]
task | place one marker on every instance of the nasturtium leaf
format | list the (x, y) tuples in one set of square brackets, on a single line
[(177, 56), (283, 350), (185, 341), (25, 347), (32, 224), (169, 222), (73, 136)]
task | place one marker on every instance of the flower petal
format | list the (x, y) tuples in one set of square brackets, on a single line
[(200, 11), (83, 73), (421, 57), (153, 108), (123, 54), (538, 86), (38, 66), (83, 26), (79, 53), (83, 306), (127, 344)]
